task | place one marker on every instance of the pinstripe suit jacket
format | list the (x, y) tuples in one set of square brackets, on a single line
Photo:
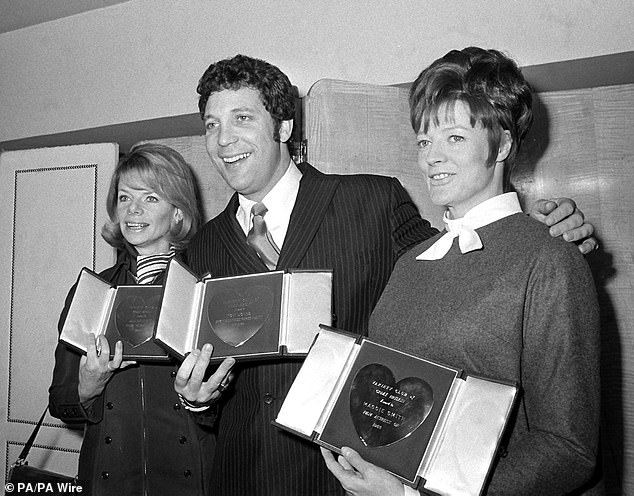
[(356, 225)]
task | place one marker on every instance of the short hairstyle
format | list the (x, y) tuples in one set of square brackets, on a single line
[(488, 82), (276, 91), (164, 170)]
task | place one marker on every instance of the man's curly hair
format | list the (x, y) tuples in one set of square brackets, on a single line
[(241, 71)]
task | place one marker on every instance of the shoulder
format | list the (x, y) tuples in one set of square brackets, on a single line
[(214, 233), (537, 232), (372, 188), (368, 180), (119, 270), (530, 236), (108, 273), (215, 224), (350, 190), (202, 237), (311, 173), (224, 218), (374, 184)]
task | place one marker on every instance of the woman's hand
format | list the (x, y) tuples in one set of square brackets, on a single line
[(96, 368), (361, 478)]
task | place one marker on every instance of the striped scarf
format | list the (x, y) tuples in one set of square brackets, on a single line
[(148, 267)]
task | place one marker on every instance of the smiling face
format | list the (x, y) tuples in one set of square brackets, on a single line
[(145, 217), (453, 154), (240, 141)]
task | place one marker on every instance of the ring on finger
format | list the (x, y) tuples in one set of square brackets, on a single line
[(222, 387)]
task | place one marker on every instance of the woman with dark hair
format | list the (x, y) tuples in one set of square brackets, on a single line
[(138, 439), (493, 294)]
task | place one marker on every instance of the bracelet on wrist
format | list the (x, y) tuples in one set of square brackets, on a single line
[(193, 406)]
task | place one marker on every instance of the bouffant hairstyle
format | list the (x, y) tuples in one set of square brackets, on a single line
[(164, 170), (488, 82), (276, 91)]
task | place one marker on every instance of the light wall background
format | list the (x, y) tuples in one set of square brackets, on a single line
[(141, 59)]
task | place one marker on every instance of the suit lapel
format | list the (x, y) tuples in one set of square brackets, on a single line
[(313, 199), (235, 241)]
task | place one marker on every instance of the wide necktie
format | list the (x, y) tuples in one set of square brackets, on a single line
[(260, 238)]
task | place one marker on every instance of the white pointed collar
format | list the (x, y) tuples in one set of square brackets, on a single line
[(485, 213)]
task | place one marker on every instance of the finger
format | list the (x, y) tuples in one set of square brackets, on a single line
[(567, 203), (185, 371), (337, 470), (104, 346), (344, 463), (354, 459), (543, 207), (127, 363), (565, 211), (588, 246), (218, 382), (572, 229), (91, 346), (577, 233), (326, 455), (92, 360), (115, 363), (223, 373), (226, 382), (202, 362), (564, 226)]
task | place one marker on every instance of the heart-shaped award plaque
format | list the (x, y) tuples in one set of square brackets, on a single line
[(236, 316), (135, 318), (385, 411)]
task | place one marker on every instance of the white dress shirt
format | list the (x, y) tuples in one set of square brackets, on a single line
[(279, 203)]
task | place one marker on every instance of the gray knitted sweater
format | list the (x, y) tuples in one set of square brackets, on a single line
[(523, 308)]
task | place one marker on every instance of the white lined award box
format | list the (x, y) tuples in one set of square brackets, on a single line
[(255, 316), (125, 313), (430, 425)]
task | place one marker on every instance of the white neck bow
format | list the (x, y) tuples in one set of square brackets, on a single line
[(485, 213)]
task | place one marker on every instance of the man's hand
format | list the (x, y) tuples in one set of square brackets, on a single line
[(190, 383), (566, 220), (361, 478)]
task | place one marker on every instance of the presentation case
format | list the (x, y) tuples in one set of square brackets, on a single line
[(121, 313), (255, 316), (429, 424)]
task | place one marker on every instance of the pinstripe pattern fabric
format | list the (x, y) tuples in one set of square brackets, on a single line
[(356, 225)]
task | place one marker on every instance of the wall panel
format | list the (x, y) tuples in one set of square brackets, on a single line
[(52, 210)]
